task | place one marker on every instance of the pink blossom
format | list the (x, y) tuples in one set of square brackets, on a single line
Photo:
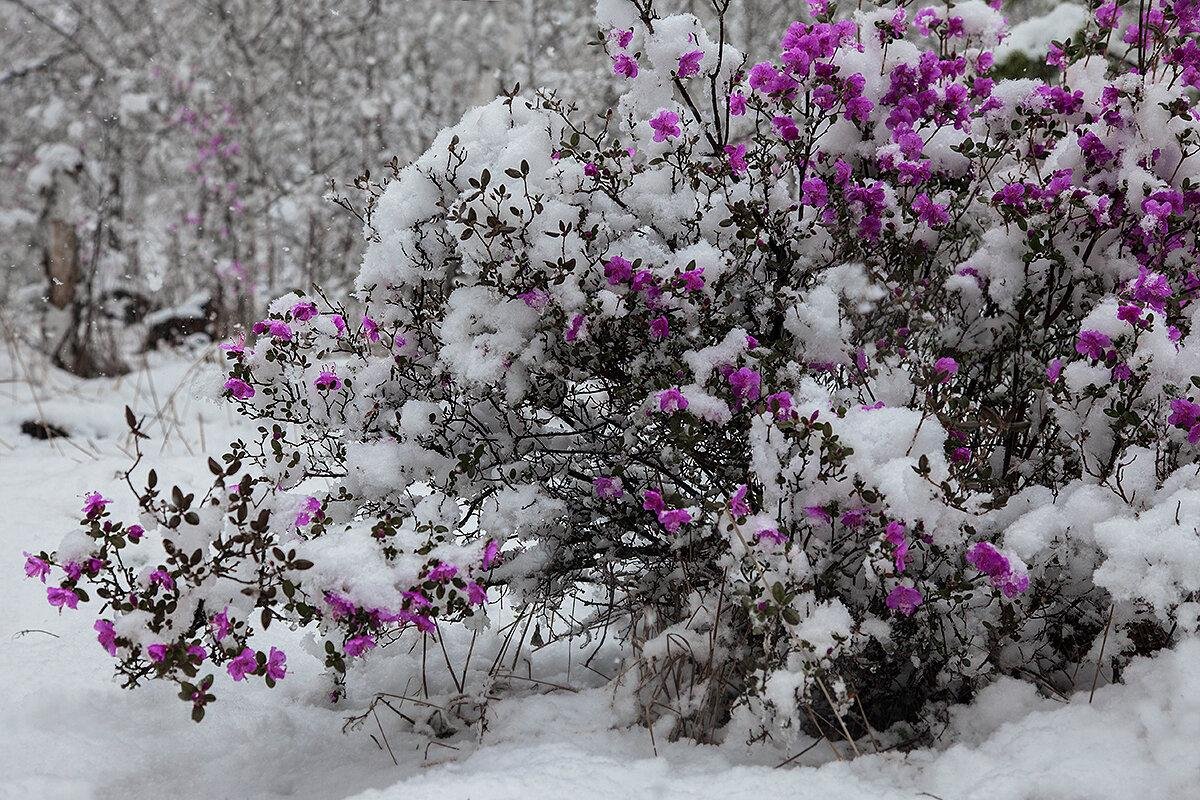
[(946, 368), (476, 594), (607, 488), (1092, 344), (1053, 370), (895, 534), (304, 311), (162, 578), (135, 533), (491, 552), (660, 328), (736, 155), (673, 519), (575, 329), (370, 329), (737, 104), (652, 501), (157, 653), (220, 624), (745, 383), (738, 506), (444, 571), (625, 65)]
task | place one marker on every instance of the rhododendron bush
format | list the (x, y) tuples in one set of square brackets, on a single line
[(834, 385)]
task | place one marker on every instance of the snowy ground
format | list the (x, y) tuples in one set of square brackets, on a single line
[(67, 732)]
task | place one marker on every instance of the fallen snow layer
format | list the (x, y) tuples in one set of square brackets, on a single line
[(66, 731), (1033, 36)]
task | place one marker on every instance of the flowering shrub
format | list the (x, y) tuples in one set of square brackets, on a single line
[(840, 383)]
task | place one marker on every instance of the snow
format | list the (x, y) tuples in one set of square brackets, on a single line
[(67, 731)]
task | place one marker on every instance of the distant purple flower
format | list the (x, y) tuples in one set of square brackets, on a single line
[(692, 280), (241, 666), (339, 323), (239, 388), (359, 645), (370, 329), (895, 534), (665, 125), (575, 328), (855, 517), (987, 559), (904, 600), (689, 63), (818, 513), (736, 155), (770, 534), (961, 455), (622, 36)]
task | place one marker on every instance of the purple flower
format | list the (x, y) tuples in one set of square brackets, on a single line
[(476, 594), (665, 125), (770, 534), (625, 65), (239, 388), (987, 559), (276, 665), (339, 606), (622, 36), (818, 513), (746, 384), (781, 404), (197, 653), (671, 400), (220, 624), (162, 578), (692, 280), (1092, 344), (1054, 370), (94, 503), (304, 311), (607, 488), (339, 323), (157, 653), (737, 503), (135, 533), (36, 567), (327, 381), (575, 328), (904, 599), (59, 597), (946, 368), (673, 519), (359, 645), (491, 552), (689, 63), (855, 517), (785, 127), (241, 666), (736, 155), (618, 270), (895, 534), (737, 104), (961, 455), (444, 571), (652, 501), (106, 635), (370, 329), (660, 328)]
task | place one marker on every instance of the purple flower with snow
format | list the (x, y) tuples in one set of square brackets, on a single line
[(895, 534), (665, 125), (625, 65), (157, 653), (671, 400), (575, 328), (304, 311), (738, 506), (476, 594), (162, 578), (737, 104), (358, 645), (491, 552), (660, 328), (984, 557), (444, 571), (689, 63), (745, 383), (220, 625), (673, 519)]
